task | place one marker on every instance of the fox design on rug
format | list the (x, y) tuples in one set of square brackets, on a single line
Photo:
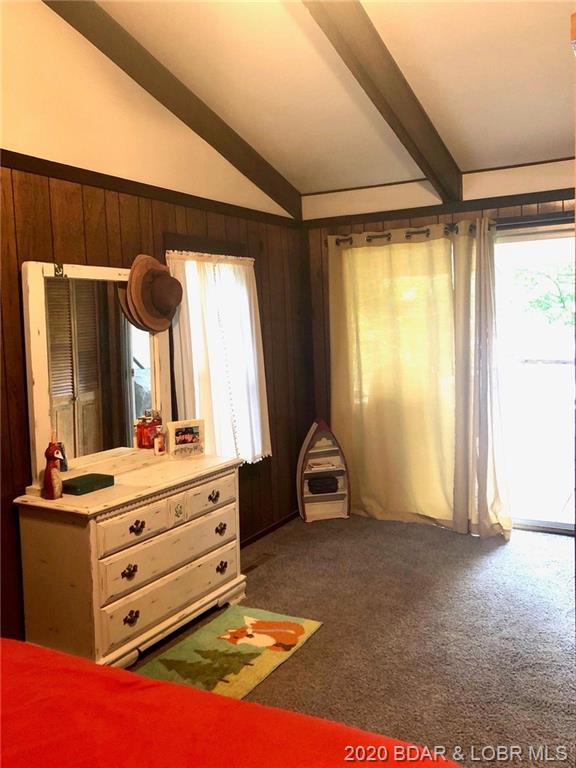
[(272, 635)]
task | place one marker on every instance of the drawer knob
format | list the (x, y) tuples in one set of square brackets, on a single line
[(130, 571), (137, 527), (131, 618), (220, 529), (221, 567), (214, 496)]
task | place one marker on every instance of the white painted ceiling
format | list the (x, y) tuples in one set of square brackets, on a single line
[(494, 77), (269, 72)]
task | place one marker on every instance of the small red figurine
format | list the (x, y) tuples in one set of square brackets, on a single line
[(52, 488)]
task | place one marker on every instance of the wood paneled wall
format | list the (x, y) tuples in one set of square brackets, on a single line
[(319, 272), (45, 218), (50, 219)]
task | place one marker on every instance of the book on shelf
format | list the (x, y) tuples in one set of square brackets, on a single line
[(317, 465)]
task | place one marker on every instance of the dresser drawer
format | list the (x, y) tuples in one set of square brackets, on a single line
[(135, 613), (210, 495), (128, 570), (132, 527)]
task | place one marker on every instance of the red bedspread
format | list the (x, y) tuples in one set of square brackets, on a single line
[(65, 712)]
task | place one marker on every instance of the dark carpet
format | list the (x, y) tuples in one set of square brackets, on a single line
[(428, 636)]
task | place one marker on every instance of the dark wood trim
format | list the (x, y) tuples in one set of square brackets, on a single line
[(52, 169), (255, 536), (507, 201), (519, 165), (366, 186), (176, 242), (359, 45), (92, 21), (536, 220)]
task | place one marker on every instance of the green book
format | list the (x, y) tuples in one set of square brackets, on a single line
[(87, 483)]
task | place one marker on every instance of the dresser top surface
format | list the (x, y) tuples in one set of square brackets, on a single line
[(137, 475)]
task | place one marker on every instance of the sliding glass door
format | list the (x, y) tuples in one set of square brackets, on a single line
[(535, 327)]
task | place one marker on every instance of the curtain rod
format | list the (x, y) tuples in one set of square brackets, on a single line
[(537, 220), (408, 233), (504, 223)]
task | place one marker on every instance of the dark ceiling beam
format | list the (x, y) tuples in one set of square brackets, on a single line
[(359, 45), (88, 18)]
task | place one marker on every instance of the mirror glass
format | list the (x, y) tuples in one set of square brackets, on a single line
[(99, 366)]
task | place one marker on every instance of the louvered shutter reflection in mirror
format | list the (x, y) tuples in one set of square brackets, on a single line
[(60, 362), (85, 313), (59, 337), (74, 364), (85, 316)]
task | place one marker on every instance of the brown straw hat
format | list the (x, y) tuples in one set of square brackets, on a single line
[(152, 296), (122, 289)]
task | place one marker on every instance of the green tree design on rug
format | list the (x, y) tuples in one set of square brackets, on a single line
[(220, 666)]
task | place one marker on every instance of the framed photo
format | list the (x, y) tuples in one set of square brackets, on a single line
[(185, 438)]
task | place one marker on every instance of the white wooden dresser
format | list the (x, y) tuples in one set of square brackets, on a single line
[(111, 572)]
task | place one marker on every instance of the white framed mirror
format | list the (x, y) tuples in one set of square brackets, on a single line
[(90, 372)]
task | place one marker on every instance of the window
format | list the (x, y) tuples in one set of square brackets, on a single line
[(218, 359), (140, 372)]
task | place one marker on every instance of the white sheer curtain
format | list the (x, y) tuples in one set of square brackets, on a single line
[(218, 358), (413, 381), (392, 371), (479, 458)]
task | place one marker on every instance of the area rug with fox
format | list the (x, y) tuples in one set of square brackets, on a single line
[(234, 652)]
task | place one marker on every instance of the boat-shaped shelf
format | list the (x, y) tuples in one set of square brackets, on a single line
[(322, 476)]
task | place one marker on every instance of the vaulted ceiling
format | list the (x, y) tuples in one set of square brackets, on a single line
[(494, 79), (269, 71)]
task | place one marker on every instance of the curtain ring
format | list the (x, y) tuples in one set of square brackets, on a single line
[(385, 236), (409, 234)]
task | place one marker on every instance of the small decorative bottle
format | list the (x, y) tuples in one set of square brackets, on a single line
[(156, 421), (148, 431), (153, 425), (159, 442), (141, 430)]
